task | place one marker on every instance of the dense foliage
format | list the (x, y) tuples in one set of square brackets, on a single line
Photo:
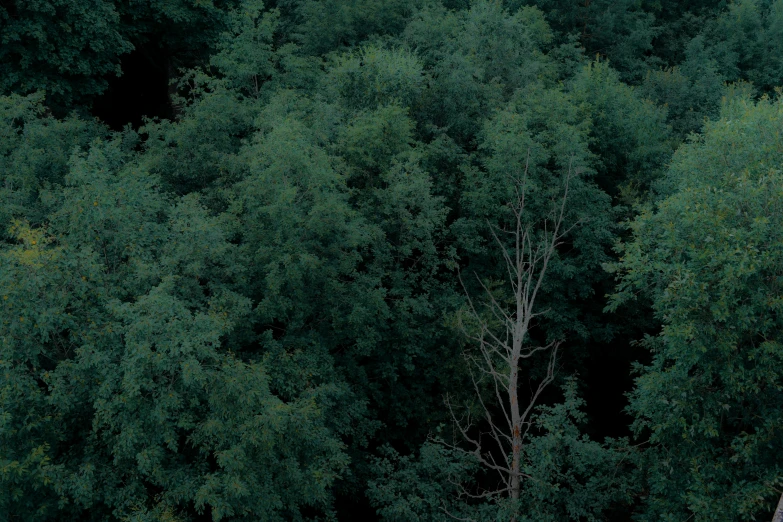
[(251, 306)]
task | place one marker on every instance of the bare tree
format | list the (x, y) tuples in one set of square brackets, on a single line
[(502, 333)]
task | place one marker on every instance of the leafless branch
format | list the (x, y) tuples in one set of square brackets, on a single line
[(502, 336)]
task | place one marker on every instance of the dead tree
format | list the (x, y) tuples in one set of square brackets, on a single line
[(502, 333)]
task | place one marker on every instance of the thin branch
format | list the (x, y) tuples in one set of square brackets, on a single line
[(502, 336)]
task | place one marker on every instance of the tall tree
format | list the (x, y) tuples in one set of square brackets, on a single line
[(503, 337), (709, 258)]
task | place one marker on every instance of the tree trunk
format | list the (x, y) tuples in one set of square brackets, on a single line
[(516, 437), (503, 350), (778, 516)]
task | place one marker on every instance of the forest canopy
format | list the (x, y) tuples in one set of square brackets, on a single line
[(394, 260)]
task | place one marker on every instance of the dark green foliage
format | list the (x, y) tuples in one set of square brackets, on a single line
[(328, 25), (541, 128), (691, 91), (116, 315), (250, 311), (747, 42), (622, 30), (34, 154), (63, 48), (475, 59), (709, 258), (629, 134), (69, 49), (575, 478)]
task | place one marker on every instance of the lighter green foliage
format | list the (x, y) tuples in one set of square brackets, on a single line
[(327, 25), (34, 153), (709, 257), (374, 76), (246, 57), (691, 91), (120, 306), (476, 59), (303, 231)]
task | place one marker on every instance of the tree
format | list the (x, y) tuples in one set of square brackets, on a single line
[(34, 153), (64, 48), (328, 25), (691, 91), (745, 40), (476, 59), (125, 392), (70, 49), (620, 30), (708, 256), (630, 138), (503, 337)]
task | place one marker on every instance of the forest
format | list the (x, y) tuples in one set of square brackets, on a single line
[(391, 260)]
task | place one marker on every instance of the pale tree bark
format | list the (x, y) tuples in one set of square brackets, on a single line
[(778, 516), (502, 333)]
